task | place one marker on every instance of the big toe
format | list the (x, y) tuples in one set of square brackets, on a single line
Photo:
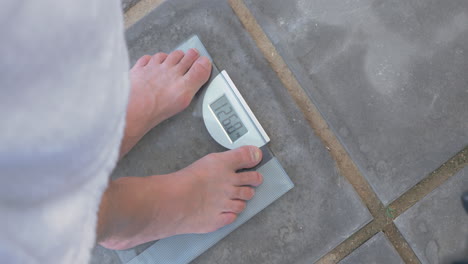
[(199, 73)]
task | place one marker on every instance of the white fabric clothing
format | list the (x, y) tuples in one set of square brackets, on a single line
[(63, 94)]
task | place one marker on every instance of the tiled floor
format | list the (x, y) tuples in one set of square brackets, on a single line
[(376, 250), (391, 80), (437, 226)]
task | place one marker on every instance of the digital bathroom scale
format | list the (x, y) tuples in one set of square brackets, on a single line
[(231, 123)]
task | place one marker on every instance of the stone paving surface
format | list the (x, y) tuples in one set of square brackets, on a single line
[(437, 226), (390, 77), (314, 217), (377, 250)]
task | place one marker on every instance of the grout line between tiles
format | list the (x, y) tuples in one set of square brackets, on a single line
[(399, 206), (429, 183), (400, 244), (139, 10), (351, 243)]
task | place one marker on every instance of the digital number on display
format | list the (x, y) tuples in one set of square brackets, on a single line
[(228, 118)]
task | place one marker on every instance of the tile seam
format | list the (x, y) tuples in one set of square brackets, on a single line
[(352, 243), (139, 10), (400, 244), (431, 182)]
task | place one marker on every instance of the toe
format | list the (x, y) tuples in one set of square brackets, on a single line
[(198, 74), (251, 178), (242, 193), (225, 219), (242, 157), (141, 62), (174, 58), (235, 206), (158, 58), (188, 60)]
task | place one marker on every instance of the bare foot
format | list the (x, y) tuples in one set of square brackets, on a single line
[(162, 85), (201, 198)]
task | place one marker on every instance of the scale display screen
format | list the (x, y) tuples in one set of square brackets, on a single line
[(228, 118)]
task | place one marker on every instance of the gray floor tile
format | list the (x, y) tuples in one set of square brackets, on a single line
[(390, 77), (319, 213), (377, 250), (101, 255), (437, 226)]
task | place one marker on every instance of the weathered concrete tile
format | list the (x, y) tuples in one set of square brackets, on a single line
[(390, 77), (319, 213), (437, 226), (101, 255), (377, 250)]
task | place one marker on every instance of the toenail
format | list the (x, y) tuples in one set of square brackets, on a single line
[(255, 153)]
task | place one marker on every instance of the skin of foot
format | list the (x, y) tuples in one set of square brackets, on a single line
[(162, 85), (201, 198)]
